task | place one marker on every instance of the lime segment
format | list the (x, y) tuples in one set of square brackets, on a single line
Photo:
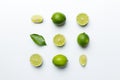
[(83, 60), (82, 19), (59, 40), (37, 19), (36, 60)]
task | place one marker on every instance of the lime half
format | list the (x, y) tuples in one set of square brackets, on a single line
[(83, 60), (37, 19), (82, 19), (36, 60), (59, 40)]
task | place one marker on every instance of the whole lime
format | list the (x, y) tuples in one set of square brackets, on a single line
[(58, 18), (60, 60), (83, 39)]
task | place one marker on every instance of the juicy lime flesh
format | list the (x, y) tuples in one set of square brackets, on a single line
[(59, 40), (60, 60), (37, 19), (83, 39), (58, 18), (36, 60), (83, 60), (82, 19)]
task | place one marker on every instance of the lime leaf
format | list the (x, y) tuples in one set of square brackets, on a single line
[(38, 39)]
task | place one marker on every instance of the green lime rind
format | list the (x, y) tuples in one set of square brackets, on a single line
[(58, 18), (60, 60), (38, 39), (36, 60), (59, 40), (82, 19), (83, 39), (83, 60)]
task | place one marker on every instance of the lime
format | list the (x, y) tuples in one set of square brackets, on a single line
[(59, 40), (37, 19), (36, 60), (60, 60), (58, 18), (82, 19), (38, 39), (83, 60), (83, 39)]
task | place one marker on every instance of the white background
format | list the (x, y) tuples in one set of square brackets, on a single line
[(16, 45)]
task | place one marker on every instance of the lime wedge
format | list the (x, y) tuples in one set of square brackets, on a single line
[(37, 19), (82, 19), (36, 60), (59, 40), (83, 60)]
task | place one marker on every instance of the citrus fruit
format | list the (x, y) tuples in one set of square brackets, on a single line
[(59, 40), (83, 60), (82, 19), (58, 18), (37, 19), (60, 60), (83, 39), (38, 39), (36, 60)]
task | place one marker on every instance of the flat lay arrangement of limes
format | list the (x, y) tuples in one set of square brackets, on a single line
[(59, 40)]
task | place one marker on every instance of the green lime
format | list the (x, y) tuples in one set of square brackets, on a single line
[(60, 60), (83, 39), (59, 40), (82, 19), (37, 19), (38, 39), (83, 60), (58, 18), (36, 60)]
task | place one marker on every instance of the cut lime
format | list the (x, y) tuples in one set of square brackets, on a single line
[(36, 60), (83, 60), (83, 39), (59, 40), (58, 18), (82, 19), (37, 19), (60, 60)]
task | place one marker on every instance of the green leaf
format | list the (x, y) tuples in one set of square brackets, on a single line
[(38, 39)]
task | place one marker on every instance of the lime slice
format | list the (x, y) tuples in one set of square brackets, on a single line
[(36, 60), (37, 19), (59, 40), (83, 60), (38, 39), (60, 60), (82, 19)]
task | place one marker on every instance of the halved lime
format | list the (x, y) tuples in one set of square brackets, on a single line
[(36, 60), (82, 19), (83, 60), (59, 40), (60, 60), (37, 19)]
